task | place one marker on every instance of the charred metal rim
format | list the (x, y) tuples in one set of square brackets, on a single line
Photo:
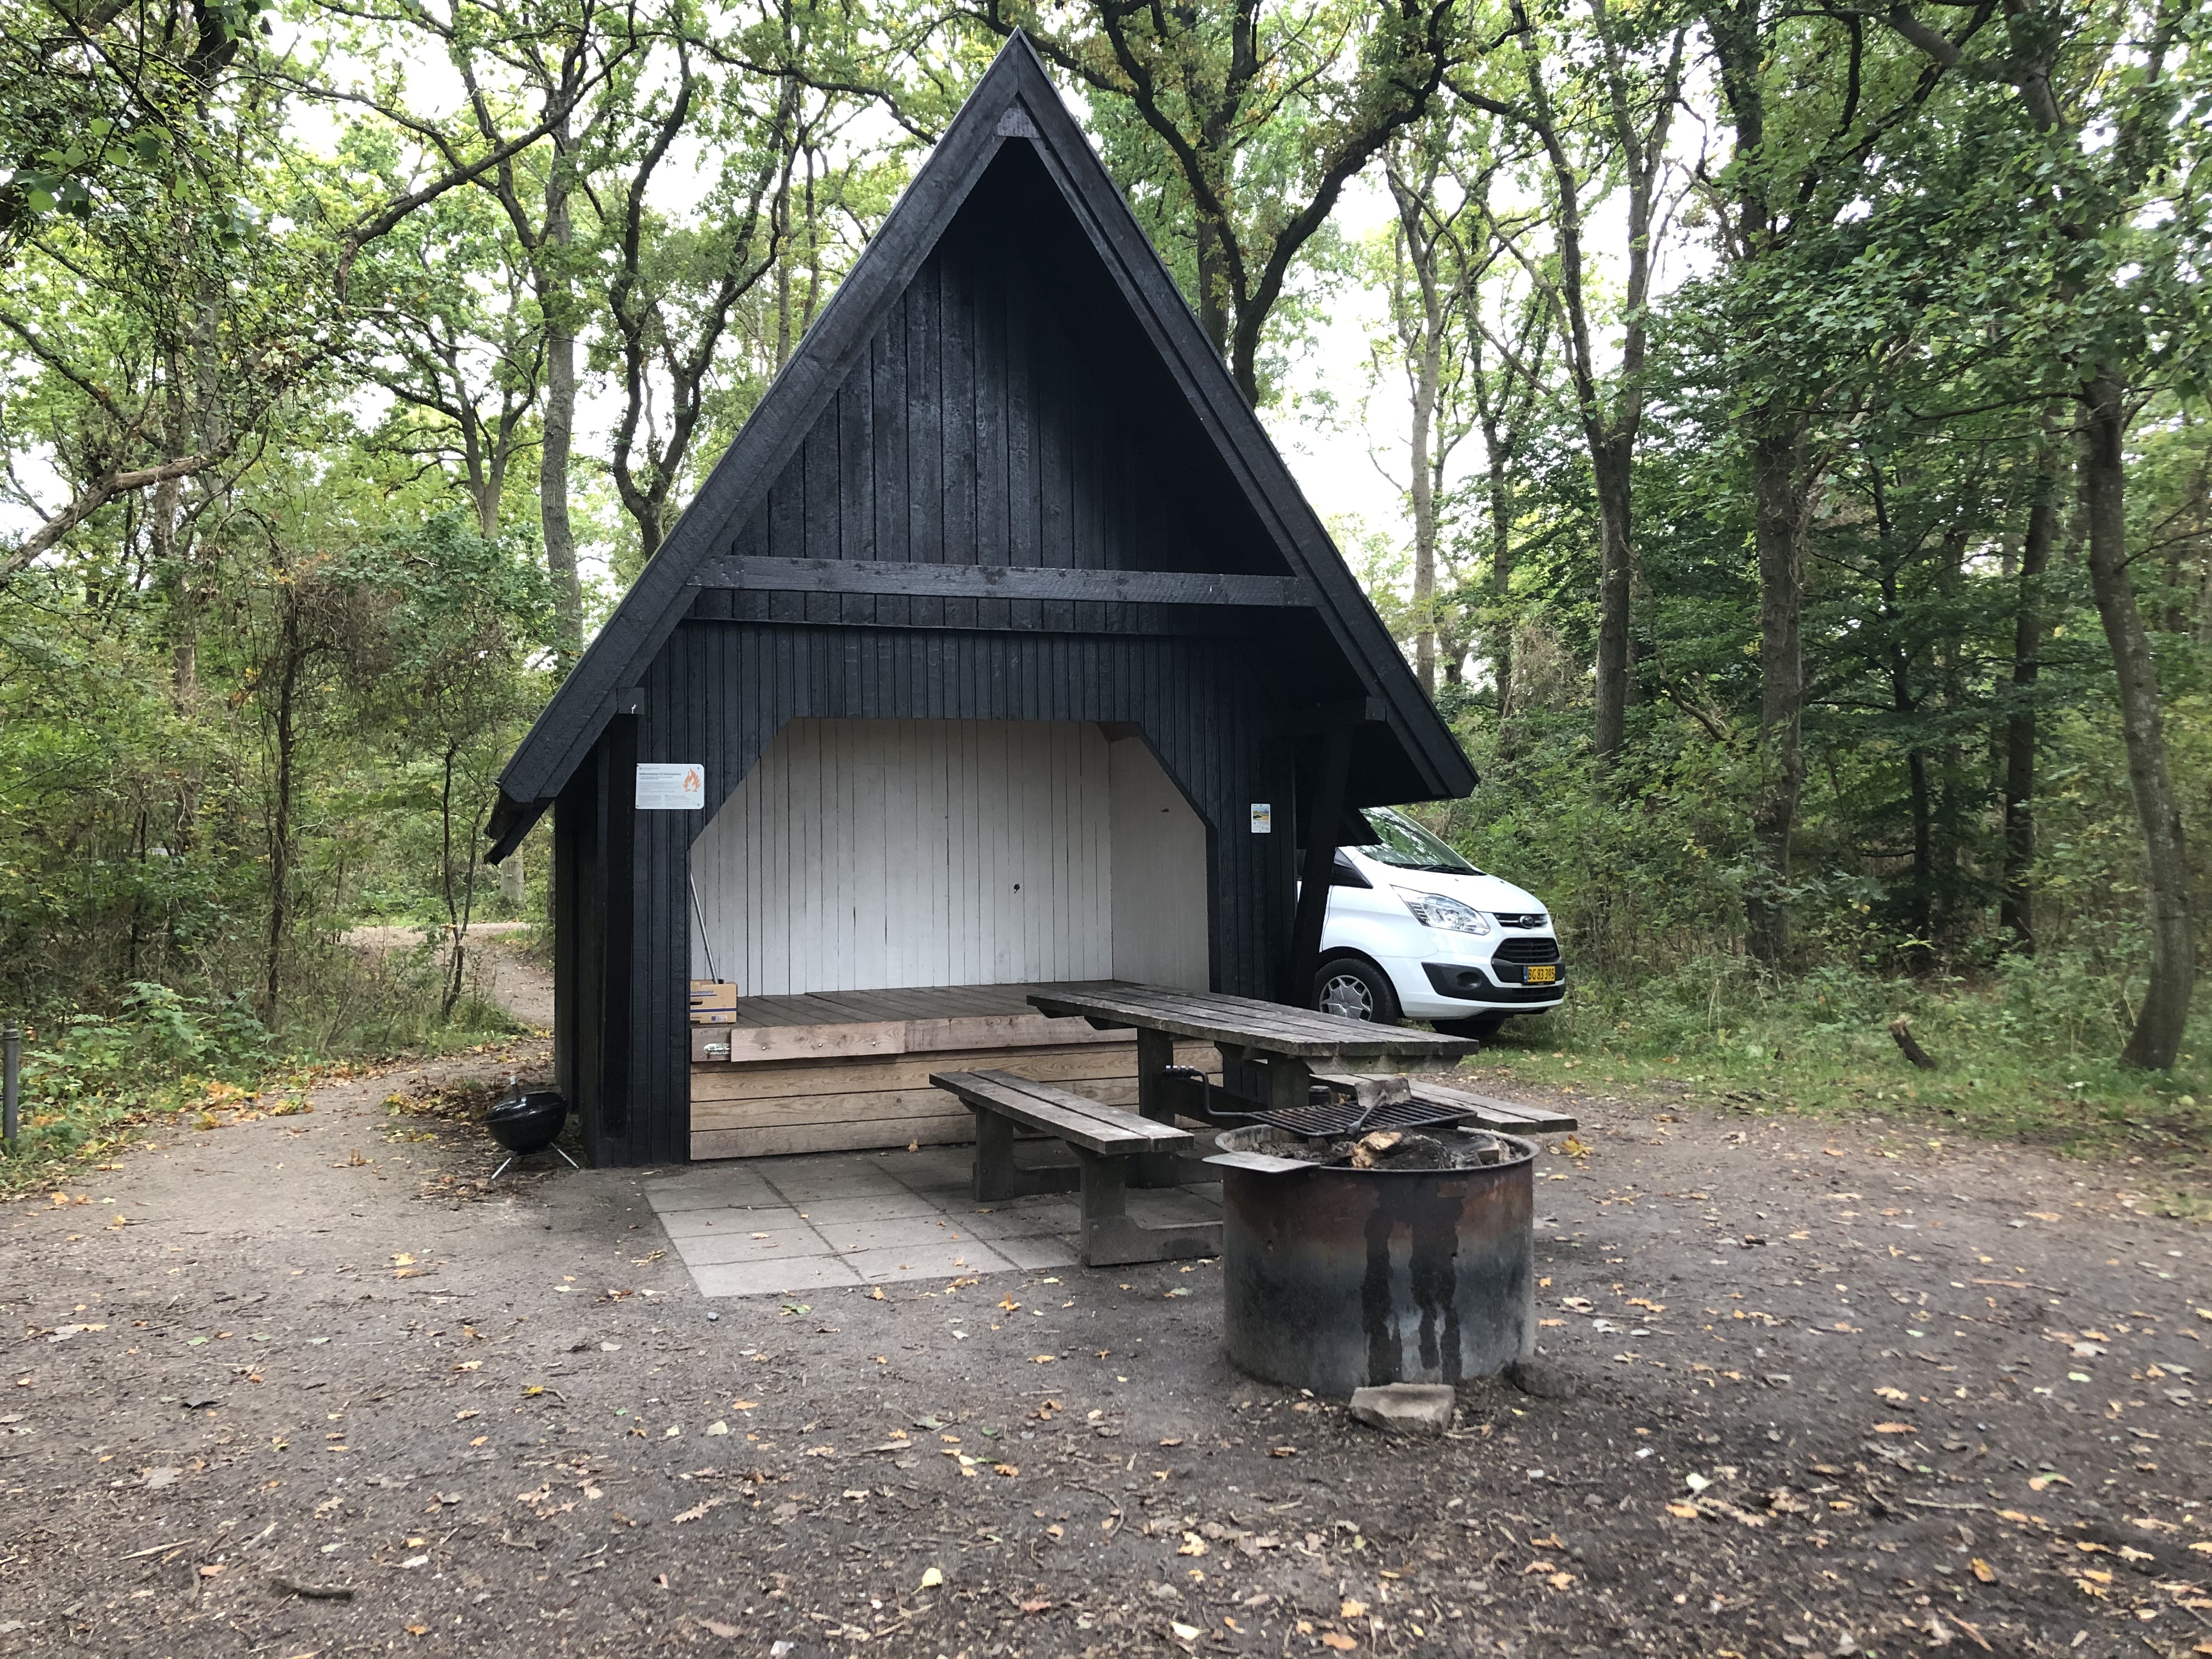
[(1518, 1152)]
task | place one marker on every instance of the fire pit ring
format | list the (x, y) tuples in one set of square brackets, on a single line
[(1339, 1278)]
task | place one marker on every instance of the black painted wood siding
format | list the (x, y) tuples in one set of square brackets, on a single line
[(979, 430), (721, 691)]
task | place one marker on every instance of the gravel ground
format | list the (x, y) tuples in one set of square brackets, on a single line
[(300, 1384)]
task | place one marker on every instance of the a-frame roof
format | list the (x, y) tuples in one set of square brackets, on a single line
[(1015, 103)]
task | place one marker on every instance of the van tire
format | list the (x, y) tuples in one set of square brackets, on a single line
[(1359, 989)]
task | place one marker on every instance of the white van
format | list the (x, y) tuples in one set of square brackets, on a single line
[(1416, 932)]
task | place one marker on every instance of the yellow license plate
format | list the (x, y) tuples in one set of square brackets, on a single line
[(1548, 975)]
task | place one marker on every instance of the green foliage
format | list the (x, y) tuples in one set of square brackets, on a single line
[(2025, 1053), (159, 1062)]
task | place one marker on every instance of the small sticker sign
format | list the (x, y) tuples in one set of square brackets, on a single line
[(1263, 817), (681, 788)]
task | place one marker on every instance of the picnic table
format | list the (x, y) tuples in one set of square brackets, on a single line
[(1289, 1043)]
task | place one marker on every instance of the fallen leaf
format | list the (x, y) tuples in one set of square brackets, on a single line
[(1185, 1632), (1192, 1545), (1352, 1609), (2039, 1482), (1684, 1511), (932, 1578), (1984, 1571), (1282, 1451), (1339, 1640), (1895, 1428), (715, 1628), (1038, 1606), (1898, 1396), (1560, 1580)]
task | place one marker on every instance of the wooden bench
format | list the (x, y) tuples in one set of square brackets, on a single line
[(1107, 1142), (1499, 1116)]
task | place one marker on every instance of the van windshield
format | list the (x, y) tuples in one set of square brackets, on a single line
[(1400, 842)]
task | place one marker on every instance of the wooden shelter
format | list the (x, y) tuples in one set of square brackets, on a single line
[(1000, 648)]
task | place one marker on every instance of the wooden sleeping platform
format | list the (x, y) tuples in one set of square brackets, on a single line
[(843, 1070)]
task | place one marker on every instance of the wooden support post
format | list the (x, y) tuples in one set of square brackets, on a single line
[(1326, 813), (1111, 1239), (996, 1176), (1290, 1082), (1155, 1053)]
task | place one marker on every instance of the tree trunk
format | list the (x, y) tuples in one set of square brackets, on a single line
[(1426, 371), (280, 818), (455, 929), (1501, 575), (2016, 908), (1780, 513), (553, 298), (1212, 286), (2156, 1040), (1612, 455)]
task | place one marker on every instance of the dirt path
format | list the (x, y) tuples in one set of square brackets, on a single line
[(1828, 1403), (500, 970)]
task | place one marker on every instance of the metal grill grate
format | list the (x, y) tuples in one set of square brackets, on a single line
[(1348, 1119)]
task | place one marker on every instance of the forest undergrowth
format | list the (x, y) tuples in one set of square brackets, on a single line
[(2024, 1052), (161, 1061)]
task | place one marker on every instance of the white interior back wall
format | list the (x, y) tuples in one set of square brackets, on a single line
[(864, 854)]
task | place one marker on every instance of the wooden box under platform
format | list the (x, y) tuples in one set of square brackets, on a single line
[(839, 1071)]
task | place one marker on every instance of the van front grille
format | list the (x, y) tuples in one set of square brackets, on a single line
[(1527, 950)]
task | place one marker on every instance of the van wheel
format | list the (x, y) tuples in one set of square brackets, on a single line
[(1485, 1026), (1352, 990)]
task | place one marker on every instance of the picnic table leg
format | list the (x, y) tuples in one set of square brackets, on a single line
[(1155, 1053), (1290, 1081), (1111, 1239), (996, 1176)]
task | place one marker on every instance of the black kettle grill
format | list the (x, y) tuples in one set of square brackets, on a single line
[(526, 1123)]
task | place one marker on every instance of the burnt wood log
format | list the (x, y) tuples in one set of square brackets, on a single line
[(1900, 1031)]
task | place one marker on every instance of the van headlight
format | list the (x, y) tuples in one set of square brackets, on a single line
[(1447, 914)]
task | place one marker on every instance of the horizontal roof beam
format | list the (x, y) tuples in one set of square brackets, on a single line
[(990, 582)]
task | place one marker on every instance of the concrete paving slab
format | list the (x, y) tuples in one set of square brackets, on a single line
[(773, 1277), (732, 1195), (1025, 1219), (845, 1218), (799, 1180), (1170, 1207), (938, 1262), (692, 1224), (1046, 1250), (870, 1207), (906, 1232), (701, 1251)]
